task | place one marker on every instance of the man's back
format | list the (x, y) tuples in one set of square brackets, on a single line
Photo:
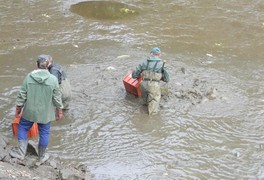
[(56, 70), (39, 91)]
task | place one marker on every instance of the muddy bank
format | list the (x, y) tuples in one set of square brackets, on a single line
[(12, 168)]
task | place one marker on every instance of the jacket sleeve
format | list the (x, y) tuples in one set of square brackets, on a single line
[(165, 75), (56, 98), (22, 95), (136, 73)]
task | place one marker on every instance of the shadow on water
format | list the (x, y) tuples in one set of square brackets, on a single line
[(103, 10)]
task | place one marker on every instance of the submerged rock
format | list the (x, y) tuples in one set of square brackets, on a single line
[(103, 10)]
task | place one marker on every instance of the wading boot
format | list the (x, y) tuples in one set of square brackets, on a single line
[(42, 156), (20, 153)]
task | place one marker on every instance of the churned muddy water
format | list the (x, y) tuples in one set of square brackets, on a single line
[(210, 125)]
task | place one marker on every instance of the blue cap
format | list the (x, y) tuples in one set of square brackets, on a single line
[(155, 51)]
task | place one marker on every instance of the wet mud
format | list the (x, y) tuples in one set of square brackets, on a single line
[(12, 168)]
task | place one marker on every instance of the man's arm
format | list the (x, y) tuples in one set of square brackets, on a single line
[(165, 75), (22, 95), (56, 99), (136, 73), (21, 98)]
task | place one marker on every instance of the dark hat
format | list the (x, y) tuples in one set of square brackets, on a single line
[(43, 58), (155, 51)]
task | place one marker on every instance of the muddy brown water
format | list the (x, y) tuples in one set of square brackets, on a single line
[(196, 135)]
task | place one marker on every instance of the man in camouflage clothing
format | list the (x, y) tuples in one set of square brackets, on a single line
[(153, 71), (65, 87)]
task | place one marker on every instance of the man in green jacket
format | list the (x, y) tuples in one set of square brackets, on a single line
[(38, 97), (153, 71)]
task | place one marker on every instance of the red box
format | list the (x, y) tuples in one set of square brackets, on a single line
[(31, 133), (132, 85)]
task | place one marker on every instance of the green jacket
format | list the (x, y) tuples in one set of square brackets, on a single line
[(153, 63), (39, 95)]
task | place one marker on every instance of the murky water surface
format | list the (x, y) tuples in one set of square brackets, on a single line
[(210, 126)]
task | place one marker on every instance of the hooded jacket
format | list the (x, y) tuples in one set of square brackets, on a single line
[(39, 95)]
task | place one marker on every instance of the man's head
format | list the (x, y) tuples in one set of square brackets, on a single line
[(44, 61), (155, 51)]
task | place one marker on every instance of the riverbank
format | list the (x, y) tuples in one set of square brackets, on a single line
[(12, 168)]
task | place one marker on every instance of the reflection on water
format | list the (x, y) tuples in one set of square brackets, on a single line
[(103, 10)]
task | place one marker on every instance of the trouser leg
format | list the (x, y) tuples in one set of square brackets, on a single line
[(21, 151), (66, 93), (23, 128), (154, 100), (144, 92), (153, 105), (44, 135)]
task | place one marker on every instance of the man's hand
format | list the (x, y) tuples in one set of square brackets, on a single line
[(18, 111), (59, 113)]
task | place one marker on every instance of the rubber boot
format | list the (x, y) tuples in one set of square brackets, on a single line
[(42, 156), (20, 153)]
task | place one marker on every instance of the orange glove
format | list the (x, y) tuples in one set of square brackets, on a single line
[(18, 111), (59, 113)]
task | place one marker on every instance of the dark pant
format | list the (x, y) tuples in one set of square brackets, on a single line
[(44, 132)]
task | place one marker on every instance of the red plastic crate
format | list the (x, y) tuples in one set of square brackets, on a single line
[(30, 134), (132, 85)]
